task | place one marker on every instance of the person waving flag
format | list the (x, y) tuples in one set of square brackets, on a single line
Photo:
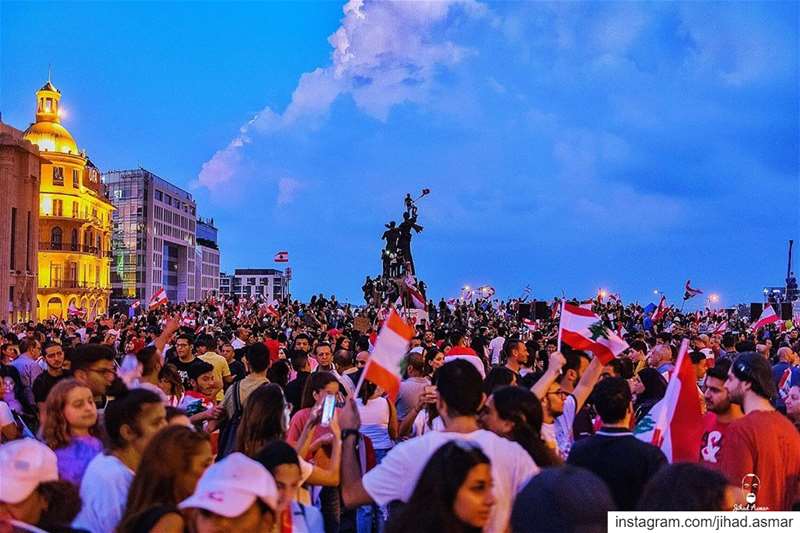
[(689, 291)]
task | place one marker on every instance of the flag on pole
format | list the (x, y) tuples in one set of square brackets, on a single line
[(75, 311), (414, 294), (530, 324), (268, 309), (555, 309), (675, 423), (768, 316), (158, 298), (584, 330), (661, 310), (384, 367), (721, 328), (689, 292), (282, 257)]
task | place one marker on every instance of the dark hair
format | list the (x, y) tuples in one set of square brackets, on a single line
[(198, 368), (612, 399), (343, 357), (499, 376), (63, 504), (719, 370), (257, 357), (275, 454), (85, 355), (460, 387), (655, 386), (728, 340), (638, 345), (185, 337), (321, 344), (165, 458), (174, 412), (573, 360), (567, 498), (262, 419), (430, 355), (148, 356), (697, 356), (278, 372), (684, 487), (508, 346), (315, 383), (524, 410), (126, 410), (456, 337), (299, 360), (435, 493), (169, 373)]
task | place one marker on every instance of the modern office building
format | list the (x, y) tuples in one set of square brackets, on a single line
[(267, 282), (207, 259), (74, 218), (19, 225), (153, 237)]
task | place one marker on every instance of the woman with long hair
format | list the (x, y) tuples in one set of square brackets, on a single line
[(434, 359), (70, 428), (170, 382), (318, 385), (453, 493), (648, 387), (171, 464), (516, 414)]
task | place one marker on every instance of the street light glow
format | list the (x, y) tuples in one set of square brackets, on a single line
[(714, 298)]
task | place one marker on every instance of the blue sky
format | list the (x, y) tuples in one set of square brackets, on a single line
[(569, 146)]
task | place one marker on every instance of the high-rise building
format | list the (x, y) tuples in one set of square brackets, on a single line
[(74, 218), (19, 225), (252, 282), (207, 259), (153, 238)]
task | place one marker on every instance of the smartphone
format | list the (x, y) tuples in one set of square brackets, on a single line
[(328, 405), (431, 389)]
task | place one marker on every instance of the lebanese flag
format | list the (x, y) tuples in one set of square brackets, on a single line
[(281, 257), (675, 423), (555, 309), (530, 324), (415, 295), (767, 317), (721, 328), (689, 292), (584, 330), (159, 298), (75, 312), (661, 310), (383, 366), (268, 309)]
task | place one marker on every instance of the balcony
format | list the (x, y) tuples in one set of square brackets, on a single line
[(74, 248), (61, 284), (79, 219)]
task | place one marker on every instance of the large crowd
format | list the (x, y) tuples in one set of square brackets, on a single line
[(209, 417)]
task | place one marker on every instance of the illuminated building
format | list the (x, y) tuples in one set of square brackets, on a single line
[(19, 225), (207, 260), (270, 283), (153, 238), (74, 218)]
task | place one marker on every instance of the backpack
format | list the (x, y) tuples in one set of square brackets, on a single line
[(227, 434)]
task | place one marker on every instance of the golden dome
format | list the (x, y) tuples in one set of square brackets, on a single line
[(51, 137)]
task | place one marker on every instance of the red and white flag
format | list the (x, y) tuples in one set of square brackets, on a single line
[(282, 257), (768, 316), (584, 330), (384, 364), (75, 311), (661, 310), (158, 298), (530, 324), (721, 328), (675, 423), (268, 309), (414, 294), (689, 291)]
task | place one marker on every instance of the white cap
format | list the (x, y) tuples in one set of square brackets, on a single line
[(24, 463), (228, 488)]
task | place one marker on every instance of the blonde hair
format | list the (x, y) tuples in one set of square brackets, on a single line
[(56, 430)]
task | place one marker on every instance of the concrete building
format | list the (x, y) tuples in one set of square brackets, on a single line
[(153, 237), (267, 282), (207, 259), (19, 225), (74, 218)]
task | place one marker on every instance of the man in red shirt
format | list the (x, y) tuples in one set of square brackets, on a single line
[(762, 445), (721, 412)]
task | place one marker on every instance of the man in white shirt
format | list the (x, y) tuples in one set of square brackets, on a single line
[(496, 347), (460, 397), (241, 338), (130, 422)]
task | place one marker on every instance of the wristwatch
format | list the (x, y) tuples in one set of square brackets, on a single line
[(347, 432)]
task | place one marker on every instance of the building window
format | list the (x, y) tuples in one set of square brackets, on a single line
[(58, 176), (74, 241), (75, 178), (58, 208), (74, 209), (55, 238), (48, 105), (159, 196)]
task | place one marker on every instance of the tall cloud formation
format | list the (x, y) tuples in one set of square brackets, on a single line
[(383, 55)]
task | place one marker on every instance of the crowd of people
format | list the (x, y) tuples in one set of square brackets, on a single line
[(210, 416)]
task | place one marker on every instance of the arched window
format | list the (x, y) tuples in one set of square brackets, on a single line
[(74, 242), (55, 238)]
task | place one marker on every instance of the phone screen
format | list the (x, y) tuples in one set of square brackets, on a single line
[(328, 405)]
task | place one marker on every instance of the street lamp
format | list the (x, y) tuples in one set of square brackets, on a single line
[(714, 298)]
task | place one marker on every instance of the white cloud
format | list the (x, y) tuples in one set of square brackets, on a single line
[(384, 54), (288, 189)]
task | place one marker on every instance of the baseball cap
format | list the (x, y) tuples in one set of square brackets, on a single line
[(228, 488), (753, 368), (25, 463)]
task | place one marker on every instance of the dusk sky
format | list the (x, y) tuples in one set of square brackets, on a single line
[(568, 146)]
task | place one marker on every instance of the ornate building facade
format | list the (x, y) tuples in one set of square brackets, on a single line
[(74, 219)]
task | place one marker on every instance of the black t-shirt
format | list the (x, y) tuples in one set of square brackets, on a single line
[(237, 370), (42, 385), (183, 369)]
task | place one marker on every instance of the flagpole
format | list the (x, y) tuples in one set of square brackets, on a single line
[(560, 318)]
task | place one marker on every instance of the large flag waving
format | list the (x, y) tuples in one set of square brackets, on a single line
[(384, 365), (159, 298), (689, 292), (768, 316), (675, 423), (584, 330), (661, 310)]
